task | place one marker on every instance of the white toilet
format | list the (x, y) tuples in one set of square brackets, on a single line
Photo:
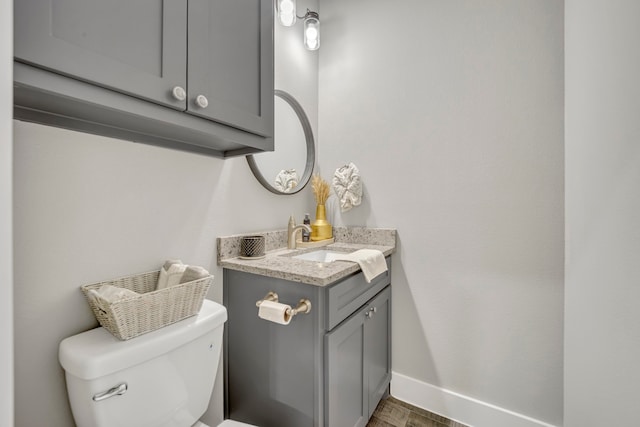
[(160, 379)]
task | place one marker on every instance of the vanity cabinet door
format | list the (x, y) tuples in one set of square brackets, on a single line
[(358, 363), (378, 348), (346, 400), (134, 47), (230, 68)]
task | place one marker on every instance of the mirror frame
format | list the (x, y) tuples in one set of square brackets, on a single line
[(311, 148)]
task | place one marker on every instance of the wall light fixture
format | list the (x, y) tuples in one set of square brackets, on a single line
[(288, 17)]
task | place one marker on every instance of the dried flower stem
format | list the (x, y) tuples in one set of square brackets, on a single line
[(320, 189)]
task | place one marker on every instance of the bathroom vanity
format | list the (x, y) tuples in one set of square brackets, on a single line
[(329, 367)]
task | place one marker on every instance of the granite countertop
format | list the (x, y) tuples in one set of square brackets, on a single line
[(278, 261)]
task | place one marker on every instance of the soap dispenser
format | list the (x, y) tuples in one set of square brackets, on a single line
[(292, 224), (305, 233)]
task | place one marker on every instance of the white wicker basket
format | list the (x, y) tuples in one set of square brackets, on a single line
[(150, 310)]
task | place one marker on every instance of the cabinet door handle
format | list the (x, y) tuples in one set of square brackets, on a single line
[(371, 312), (179, 93), (202, 101)]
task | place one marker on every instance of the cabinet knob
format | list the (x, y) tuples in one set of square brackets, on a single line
[(370, 312), (179, 93), (202, 101)]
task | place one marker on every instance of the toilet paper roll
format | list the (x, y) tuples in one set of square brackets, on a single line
[(274, 312)]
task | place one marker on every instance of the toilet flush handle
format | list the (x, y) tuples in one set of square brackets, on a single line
[(118, 390)]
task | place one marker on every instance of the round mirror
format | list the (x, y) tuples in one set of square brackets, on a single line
[(288, 168)]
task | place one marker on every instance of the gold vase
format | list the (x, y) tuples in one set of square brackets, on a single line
[(320, 228)]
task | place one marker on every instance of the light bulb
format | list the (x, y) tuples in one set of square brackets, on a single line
[(287, 12), (312, 44), (311, 31), (286, 7), (287, 19)]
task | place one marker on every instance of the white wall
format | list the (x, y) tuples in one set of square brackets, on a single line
[(6, 241), (89, 208), (453, 111), (602, 279)]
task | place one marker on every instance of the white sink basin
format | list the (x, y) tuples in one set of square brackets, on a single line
[(321, 255)]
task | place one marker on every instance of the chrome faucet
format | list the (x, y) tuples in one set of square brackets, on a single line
[(291, 240)]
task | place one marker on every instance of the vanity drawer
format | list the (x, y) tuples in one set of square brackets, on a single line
[(348, 295)]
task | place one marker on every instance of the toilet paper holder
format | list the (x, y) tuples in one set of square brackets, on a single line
[(304, 305)]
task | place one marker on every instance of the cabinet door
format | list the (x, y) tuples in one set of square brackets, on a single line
[(358, 363), (136, 47), (377, 351), (230, 69), (345, 396)]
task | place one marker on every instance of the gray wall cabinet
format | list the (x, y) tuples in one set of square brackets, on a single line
[(194, 75), (328, 368)]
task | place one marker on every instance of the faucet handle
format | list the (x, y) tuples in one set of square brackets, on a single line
[(291, 238)]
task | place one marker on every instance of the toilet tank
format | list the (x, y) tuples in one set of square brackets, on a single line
[(168, 373)]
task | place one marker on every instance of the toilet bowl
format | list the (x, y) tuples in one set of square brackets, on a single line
[(161, 379)]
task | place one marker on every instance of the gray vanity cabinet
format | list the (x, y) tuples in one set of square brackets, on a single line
[(358, 363), (194, 75), (328, 368)]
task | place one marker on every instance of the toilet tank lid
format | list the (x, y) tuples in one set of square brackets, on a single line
[(96, 353)]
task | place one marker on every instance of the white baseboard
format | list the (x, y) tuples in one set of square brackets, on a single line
[(457, 407)]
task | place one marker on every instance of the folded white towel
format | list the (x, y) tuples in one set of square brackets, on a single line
[(168, 263), (109, 294), (170, 273), (348, 186), (193, 272), (371, 262), (286, 180)]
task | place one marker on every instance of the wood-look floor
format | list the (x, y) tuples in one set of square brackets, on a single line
[(392, 412)]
